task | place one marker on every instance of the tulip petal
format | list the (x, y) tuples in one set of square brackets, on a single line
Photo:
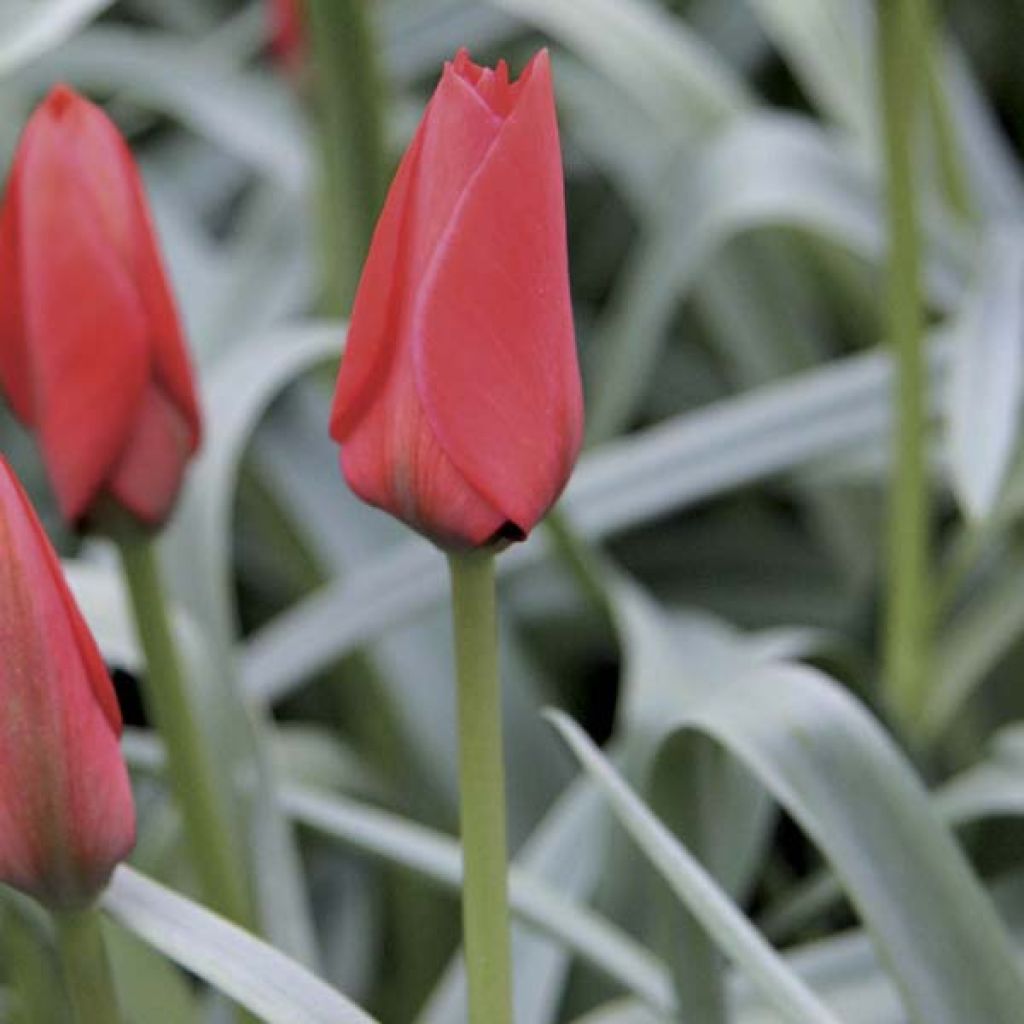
[(147, 478), (108, 174), (495, 358), (87, 379), (456, 132), (394, 462), (66, 813), (14, 358), (169, 350)]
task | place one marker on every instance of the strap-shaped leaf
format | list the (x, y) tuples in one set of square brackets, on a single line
[(254, 974)]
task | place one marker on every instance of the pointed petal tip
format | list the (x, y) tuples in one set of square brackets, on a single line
[(59, 99)]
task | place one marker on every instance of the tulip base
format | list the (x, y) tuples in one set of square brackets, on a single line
[(481, 789), (83, 955)]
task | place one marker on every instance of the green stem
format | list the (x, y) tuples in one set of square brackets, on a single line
[(31, 971), (350, 104), (901, 23), (481, 789), (191, 767), (86, 967)]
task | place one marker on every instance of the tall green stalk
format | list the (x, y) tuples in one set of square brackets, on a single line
[(196, 785), (901, 40), (83, 955), (481, 790), (349, 100)]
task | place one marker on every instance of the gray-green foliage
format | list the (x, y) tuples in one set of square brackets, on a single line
[(727, 232)]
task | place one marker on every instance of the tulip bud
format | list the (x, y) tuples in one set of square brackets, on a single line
[(91, 352), (66, 812), (459, 405)]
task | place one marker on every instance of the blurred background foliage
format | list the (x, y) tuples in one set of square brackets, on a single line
[(707, 603)]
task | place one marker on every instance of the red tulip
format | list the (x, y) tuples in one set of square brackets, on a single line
[(66, 813), (287, 34), (91, 351), (459, 405)]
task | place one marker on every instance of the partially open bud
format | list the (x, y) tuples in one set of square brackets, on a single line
[(66, 812)]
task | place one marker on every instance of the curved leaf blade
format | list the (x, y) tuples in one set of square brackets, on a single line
[(254, 974), (32, 29), (735, 935), (987, 378), (834, 770)]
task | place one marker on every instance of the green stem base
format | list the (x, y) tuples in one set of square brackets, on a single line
[(481, 790), (83, 955)]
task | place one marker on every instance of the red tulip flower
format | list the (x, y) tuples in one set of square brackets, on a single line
[(459, 405), (287, 34), (66, 812), (91, 351)]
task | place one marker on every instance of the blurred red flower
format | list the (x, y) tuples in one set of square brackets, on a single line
[(91, 351), (287, 34), (459, 404)]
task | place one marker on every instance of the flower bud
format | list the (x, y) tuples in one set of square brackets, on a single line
[(91, 352), (66, 812), (459, 406)]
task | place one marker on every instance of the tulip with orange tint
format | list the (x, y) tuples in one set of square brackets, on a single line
[(459, 406), (66, 812), (92, 356)]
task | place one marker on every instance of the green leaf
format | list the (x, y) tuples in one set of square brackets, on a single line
[(829, 45), (647, 52), (838, 409), (994, 787), (436, 856), (987, 377), (834, 770), (738, 939), (254, 974), (147, 984), (766, 170), (973, 643), (239, 112), (28, 30)]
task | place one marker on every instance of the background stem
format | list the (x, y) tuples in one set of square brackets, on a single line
[(349, 102), (901, 27), (83, 955), (194, 779), (481, 790)]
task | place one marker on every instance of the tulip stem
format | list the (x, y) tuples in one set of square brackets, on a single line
[(481, 789), (901, 27), (191, 768), (83, 955)]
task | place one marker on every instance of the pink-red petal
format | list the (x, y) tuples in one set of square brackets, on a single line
[(15, 378), (453, 137), (148, 476), (66, 813), (495, 355), (89, 331), (394, 462)]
